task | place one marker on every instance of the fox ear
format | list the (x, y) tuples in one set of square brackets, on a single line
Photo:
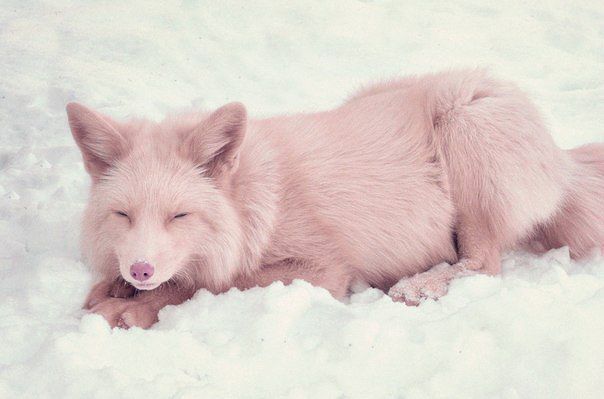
[(101, 144), (216, 142)]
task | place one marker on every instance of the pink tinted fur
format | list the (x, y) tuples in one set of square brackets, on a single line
[(376, 189)]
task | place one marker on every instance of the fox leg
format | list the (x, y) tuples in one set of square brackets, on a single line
[(141, 310), (106, 289), (478, 253), (478, 248), (333, 276)]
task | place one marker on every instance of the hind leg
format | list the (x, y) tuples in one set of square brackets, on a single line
[(478, 247), (505, 173), (478, 253)]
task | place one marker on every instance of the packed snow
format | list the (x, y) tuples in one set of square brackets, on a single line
[(537, 331)]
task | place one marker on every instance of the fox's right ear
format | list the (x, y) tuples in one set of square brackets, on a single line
[(101, 144)]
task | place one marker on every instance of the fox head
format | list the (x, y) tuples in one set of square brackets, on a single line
[(159, 207)]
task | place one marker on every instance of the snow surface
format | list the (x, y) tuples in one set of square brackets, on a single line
[(535, 332)]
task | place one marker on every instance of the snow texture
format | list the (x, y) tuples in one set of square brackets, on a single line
[(537, 331)]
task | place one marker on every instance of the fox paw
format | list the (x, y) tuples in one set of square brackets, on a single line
[(126, 313), (105, 290), (431, 284)]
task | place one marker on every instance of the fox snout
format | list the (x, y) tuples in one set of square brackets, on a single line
[(146, 257), (141, 270)]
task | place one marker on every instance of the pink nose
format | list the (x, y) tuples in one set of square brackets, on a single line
[(141, 271)]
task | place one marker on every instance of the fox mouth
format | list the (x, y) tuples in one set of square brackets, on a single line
[(145, 286)]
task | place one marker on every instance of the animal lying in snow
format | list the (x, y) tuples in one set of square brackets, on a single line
[(405, 186)]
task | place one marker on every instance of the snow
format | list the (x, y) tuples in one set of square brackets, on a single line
[(536, 331)]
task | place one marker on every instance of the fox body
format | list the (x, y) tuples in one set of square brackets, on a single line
[(443, 170)]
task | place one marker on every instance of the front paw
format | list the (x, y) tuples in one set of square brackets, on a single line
[(126, 313), (108, 289)]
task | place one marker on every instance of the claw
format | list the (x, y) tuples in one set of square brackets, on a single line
[(121, 323)]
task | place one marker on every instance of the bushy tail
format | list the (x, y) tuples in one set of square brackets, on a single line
[(580, 221)]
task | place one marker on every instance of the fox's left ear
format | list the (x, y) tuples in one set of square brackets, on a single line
[(216, 142)]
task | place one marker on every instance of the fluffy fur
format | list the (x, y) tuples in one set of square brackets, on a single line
[(448, 168)]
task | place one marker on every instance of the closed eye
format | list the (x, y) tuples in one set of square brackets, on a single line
[(180, 215), (120, 213)]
